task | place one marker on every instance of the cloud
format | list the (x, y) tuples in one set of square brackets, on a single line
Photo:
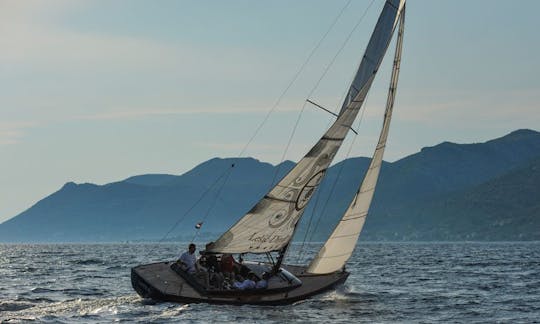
[(463, 107), (78, 75), (123, 114), (33, 36), (12, 132), (138, 114), (9, 136), (50, 46)]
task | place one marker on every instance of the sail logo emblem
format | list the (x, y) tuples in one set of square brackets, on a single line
[(309, 189)]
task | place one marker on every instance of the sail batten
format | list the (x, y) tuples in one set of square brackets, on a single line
[(338, 255), (353, 218), (334, 139), (344, 235), (277, 199), (270, 224), (340, 245)]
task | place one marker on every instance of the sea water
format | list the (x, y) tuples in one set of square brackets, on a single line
[(389, 282)]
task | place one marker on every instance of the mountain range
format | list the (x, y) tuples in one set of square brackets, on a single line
[(453, 192)]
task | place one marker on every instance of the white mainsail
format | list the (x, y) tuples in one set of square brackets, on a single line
[(270, 224), (340, 245)]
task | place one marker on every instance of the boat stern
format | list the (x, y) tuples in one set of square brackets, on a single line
[(141, 286)]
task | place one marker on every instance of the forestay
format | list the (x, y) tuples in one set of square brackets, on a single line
[(340, 245), (270, 224)]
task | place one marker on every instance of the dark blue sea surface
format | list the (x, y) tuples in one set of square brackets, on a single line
[(389, 282)]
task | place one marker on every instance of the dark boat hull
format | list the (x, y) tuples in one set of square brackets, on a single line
[(159, 282)]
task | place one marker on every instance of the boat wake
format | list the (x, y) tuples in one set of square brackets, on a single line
[(341, 293), (110, 309), (25, 311), (173, 311), (348, 295)]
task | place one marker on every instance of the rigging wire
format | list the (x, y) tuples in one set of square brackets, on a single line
[(316, 203), (327, 68), (317, 198), (300, 70), (389, 102), (301, 251), (199, 225), (293, 80), (267, 116), (339, 173), (325, 72), (201, 197)]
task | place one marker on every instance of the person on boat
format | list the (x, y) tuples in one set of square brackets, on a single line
[(214, 271), (228, 266), (212, 263), (188, 260), (188, 263), (241, 270), (263, 283), (249, 283)]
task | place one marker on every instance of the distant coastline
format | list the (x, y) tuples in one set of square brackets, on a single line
[(449, 192)]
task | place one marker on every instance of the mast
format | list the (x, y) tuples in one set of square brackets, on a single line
[(280, 258), (340, 245), (270, 224)]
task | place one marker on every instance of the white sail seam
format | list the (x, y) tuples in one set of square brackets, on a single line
[(344, 235), (376, 166), (279, 199), (353, 218), (336, 255), (367, 190)]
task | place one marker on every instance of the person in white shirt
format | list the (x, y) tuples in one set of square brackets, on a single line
[(263, 283), (188, 262), (249, 283)]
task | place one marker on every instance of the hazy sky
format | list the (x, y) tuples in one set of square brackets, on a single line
[(97, 91)]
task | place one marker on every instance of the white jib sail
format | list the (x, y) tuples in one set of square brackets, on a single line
[(270, 224), (340, 245)]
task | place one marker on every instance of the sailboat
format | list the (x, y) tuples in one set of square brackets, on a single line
[(270, 225)]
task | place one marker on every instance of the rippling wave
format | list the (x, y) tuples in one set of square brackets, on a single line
[(389, 282)]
